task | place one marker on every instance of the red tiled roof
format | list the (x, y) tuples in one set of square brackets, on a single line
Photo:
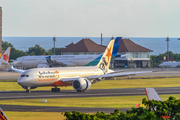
[(70, 45), (127, 45), (87, 45)]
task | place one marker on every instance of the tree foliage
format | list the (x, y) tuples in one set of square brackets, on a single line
[(158, 59), (153, 110), (36, 50)]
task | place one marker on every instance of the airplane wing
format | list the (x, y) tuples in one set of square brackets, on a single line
[(152, 94), (117, 74), (99, 78), (54, 62), (17, 70)]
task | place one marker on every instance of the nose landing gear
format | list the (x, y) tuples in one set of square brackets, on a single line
[(28, 90), (55, 89)]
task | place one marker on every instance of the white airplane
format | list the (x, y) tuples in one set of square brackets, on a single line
[(80, 78), (4, 60), (2, 115), (63, 60), (170, 64)]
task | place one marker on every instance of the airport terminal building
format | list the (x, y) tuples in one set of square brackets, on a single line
[(135, 56)]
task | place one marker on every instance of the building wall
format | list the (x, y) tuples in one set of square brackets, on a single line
[(133, 60), (132, 64), (135, 54)]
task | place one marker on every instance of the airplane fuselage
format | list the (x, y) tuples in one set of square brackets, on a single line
[(69, 60), (52, 76), (3, 65), (170, 64)]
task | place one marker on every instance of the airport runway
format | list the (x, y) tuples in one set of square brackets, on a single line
[(9, 95), (73, 94), (57, 109)]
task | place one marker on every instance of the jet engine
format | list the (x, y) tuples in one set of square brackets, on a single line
[(81, 84), (43, 66)]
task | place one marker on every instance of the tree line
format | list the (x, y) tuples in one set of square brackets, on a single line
[(157, 59), (36, 50), (153, 110)]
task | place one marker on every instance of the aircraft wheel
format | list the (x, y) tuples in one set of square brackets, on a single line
[(80, 90), (28, 91), (58, 90), (52, 89)]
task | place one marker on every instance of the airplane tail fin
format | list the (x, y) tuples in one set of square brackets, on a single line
[(152, 94), (116, 46), (106, 57), (5, 56), (2, 115)]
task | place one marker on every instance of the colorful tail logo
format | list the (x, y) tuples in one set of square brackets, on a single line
[(106, 58), (2, 115), (5, 57)]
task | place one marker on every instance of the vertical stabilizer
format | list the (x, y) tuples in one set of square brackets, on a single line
[(5, 57), (106, 58), (152, 94), (116, 46)]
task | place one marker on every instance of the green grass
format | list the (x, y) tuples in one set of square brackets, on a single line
[(13, 115), (93, 102), (129, 101), (107, 84)]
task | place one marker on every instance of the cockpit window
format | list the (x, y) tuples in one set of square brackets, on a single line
[(24, 75)]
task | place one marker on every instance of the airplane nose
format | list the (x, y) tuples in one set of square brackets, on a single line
[(20, 81)]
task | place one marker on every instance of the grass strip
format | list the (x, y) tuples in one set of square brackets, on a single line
[(9, 80), (14, 115), (106, 84), (91, 102)]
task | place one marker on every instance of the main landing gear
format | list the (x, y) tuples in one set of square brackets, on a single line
[(80, 90), (28, 90), (55, 89)]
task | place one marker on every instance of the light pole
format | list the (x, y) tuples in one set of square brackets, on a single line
[(167, 48), (54, 39)]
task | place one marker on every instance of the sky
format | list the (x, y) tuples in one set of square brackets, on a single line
[(90, 18)]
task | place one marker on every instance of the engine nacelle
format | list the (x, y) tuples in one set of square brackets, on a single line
[(43, 66), (81, 84)]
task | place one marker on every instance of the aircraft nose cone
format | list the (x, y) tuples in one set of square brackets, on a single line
[(20, 81)]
